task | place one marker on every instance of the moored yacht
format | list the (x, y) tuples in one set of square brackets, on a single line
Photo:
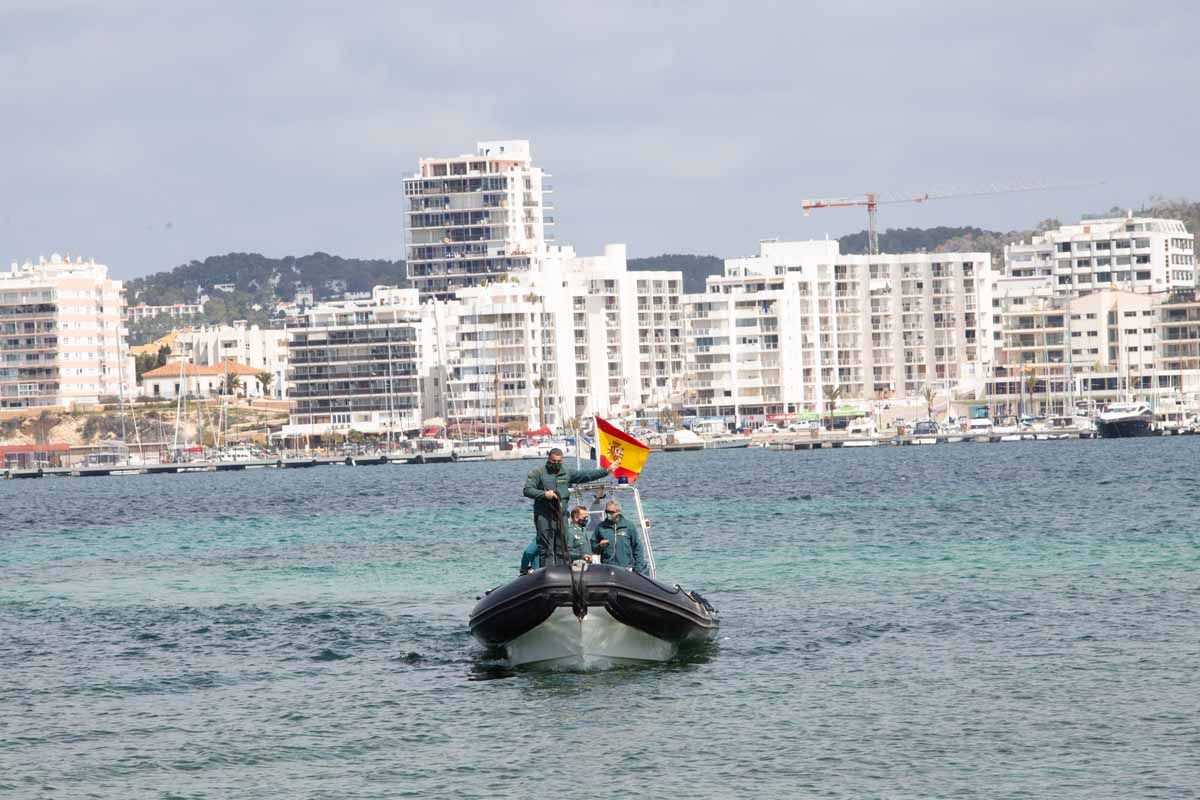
[(587, 615), (1120, 420)]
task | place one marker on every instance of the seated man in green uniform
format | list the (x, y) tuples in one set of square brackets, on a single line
[(549, 487), (618, 541), (578, 542)]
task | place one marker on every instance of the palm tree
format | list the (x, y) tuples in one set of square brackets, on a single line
[(264, 379), (232, 384), (1030, 383), (539, 383), (832, 393), (929, 393), (668, 417)]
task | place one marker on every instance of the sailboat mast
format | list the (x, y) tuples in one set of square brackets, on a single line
[(180, 390)]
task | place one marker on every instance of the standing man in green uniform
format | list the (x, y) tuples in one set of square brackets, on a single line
[(619, 542), (549, 487)]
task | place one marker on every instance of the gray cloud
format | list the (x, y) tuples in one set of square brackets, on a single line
[(149, 134)]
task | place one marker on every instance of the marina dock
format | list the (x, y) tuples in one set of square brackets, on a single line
[(774, 443)]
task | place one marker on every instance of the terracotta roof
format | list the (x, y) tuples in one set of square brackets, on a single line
[(195, 371), (167, 340)]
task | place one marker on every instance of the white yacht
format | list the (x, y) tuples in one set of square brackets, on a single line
[(1120, 420)]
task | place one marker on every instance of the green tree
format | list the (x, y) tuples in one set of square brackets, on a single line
[(232, 384), (265, 378)]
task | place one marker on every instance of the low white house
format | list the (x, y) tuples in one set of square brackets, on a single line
[(169, 380)]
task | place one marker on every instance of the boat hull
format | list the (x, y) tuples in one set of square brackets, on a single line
[(1123, 428), (629, 617), (597, 641)]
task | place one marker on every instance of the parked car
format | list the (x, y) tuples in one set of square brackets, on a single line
[(770, 427)]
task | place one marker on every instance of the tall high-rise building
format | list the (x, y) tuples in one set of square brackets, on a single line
[(472, 219), (62, 335)]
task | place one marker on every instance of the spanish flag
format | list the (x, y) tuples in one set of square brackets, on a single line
[(619, 452)]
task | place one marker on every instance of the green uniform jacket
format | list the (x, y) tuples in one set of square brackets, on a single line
[(624, 548), (579, 542), (540, 481)]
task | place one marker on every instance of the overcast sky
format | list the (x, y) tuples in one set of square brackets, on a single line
[(150, 134)]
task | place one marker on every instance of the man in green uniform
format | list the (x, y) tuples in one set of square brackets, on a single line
[(578, 543), (618, 541), (549, 487)]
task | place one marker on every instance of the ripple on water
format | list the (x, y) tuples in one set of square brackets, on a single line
[(899, 622)]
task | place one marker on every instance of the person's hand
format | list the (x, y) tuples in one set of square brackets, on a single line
[(587, 558), (603, 542), (550, 494)]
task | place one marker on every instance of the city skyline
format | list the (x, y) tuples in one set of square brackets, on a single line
[(292, 133)]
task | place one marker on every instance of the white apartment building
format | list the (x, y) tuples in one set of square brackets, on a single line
[(358, 365), (627, 335), (62, 335), (475, 218), (174, 310), (766, 338), (1133, 253), (264, 349), (581, 336), (1056, 350), (1178, 352)]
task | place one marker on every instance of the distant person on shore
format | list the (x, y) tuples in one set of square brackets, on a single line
[(618, 541), (549, 487)]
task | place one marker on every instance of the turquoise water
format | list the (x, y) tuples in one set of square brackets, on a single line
[(1015, 620)]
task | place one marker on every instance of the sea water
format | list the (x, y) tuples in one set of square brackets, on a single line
[(966, 621)]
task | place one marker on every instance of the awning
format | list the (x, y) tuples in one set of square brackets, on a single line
[(808, 416), (849, 411)]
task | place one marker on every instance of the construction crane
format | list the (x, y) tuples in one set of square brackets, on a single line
[(872, 200)]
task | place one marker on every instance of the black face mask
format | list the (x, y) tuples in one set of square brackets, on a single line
[(553, 467)]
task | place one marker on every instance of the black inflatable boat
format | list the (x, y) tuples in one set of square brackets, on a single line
[(586, 615)]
